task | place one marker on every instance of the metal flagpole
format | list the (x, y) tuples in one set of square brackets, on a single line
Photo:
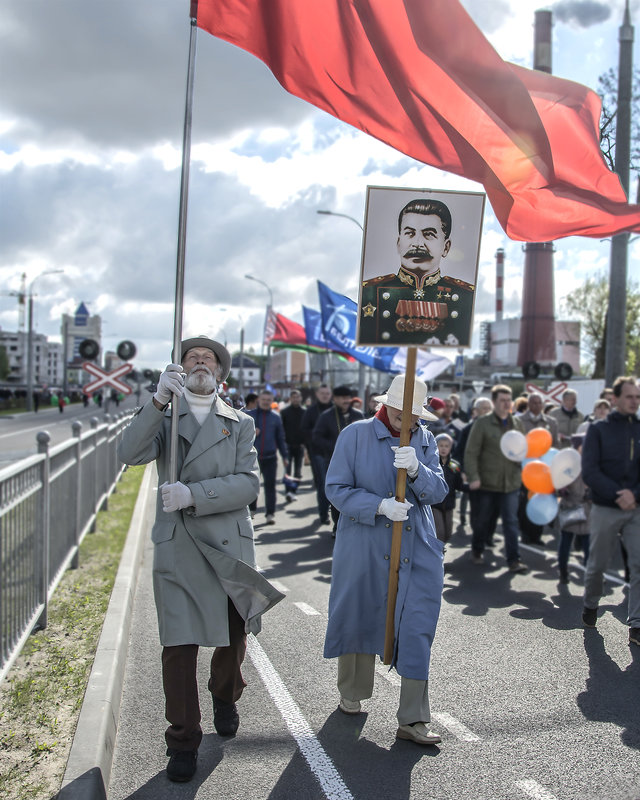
[(401, 490), (182, 231)]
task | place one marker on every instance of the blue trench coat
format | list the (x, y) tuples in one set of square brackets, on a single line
[(360, 475)]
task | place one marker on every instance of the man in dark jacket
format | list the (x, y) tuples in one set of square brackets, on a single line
[(323, 402), (327, 429), (269, 440), (291, 417), (611, 469)]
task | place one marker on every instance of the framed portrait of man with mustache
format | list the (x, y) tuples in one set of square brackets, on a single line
[(419, 267)]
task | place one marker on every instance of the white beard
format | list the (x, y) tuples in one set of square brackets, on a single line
[(201, 381)]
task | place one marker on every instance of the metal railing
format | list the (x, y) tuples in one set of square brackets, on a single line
[(48, 503)]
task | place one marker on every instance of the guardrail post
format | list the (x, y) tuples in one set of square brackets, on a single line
[(76, 429), (96, 488), (43, 439)]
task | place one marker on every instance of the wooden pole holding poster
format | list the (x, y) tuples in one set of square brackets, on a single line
[(401, 487)]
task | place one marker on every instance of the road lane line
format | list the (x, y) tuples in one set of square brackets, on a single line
[(307, 609), (327, 775), (609, 576), (455, 727), (535, 790), (279, 586)]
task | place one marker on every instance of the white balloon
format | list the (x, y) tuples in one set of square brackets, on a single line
[(565, 467), (514, 445)]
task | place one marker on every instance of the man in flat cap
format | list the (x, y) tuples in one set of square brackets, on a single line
[(418, 305), (207, 590)]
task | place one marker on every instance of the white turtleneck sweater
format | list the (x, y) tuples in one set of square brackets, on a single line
[(199, 404)]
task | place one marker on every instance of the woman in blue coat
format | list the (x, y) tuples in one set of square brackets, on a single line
[(361, 482)]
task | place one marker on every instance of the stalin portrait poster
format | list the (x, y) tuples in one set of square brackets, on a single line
[(419, 267)]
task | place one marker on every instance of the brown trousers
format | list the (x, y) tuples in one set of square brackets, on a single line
[(179, 667)]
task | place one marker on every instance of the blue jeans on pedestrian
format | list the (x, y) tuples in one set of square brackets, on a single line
[(564, 548), (319, 466), (268, 468), (487, 506)]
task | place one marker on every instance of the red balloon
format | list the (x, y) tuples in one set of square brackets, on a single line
[(536, 476), (539, 441)]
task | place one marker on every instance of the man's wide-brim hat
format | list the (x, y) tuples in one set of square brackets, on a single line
[(223, 355), (395, 395)]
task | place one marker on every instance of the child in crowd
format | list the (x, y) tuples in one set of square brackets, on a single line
[(573, 517), (443, 512)]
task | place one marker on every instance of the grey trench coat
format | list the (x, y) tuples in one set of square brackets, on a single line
[(205, 553)]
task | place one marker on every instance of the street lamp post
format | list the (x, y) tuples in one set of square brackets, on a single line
[(266, 322), (361, 368), (29, 399)]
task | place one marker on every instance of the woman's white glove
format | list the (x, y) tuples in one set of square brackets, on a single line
[(176, 496), (171, 382), (406, 458), (393, 509)]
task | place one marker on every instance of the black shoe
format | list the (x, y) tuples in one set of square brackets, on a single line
[(325, 521), (589, 617), (634, 635), (182, 764), (225, 717)]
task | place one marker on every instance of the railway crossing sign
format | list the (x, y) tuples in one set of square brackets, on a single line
[(104, 378), (553, 393)]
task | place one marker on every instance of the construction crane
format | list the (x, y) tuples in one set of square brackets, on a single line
[(21, 294)]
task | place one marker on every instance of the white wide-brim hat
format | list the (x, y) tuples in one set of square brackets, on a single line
[(395, 395)]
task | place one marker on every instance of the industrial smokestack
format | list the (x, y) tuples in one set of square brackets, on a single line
[(537, 326), (542, 41), (499, 283)]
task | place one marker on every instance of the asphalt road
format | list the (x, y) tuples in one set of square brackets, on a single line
[(18, 432), (528, 703)]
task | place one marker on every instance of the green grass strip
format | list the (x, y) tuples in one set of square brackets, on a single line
[(40, 699)]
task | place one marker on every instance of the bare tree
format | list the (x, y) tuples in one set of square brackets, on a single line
[(608, 91)]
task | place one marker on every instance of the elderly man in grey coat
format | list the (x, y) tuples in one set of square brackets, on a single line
[(207, 590)]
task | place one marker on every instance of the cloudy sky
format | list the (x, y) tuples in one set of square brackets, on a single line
[(91, 114)]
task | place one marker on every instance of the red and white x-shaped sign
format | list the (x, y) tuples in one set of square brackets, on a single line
[(104, 378), (554, 393)]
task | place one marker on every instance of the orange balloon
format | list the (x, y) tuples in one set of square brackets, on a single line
[(536, 476), (539, 441)]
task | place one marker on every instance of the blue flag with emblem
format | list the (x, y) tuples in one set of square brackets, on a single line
[(339, 317)]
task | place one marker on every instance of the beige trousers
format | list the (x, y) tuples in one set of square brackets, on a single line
[(355, 682)]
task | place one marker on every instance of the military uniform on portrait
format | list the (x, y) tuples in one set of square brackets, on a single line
[(405, 309)]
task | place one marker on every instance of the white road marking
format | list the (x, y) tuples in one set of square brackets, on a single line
[(459, 730), (307, 609), (333, 787), (279, 586), (534, 790), (453, 725)]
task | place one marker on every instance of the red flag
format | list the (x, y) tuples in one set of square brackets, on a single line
[(292, 335), (420, 76)]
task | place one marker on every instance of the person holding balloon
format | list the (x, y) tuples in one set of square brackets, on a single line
[(531, 419), (573, 516)]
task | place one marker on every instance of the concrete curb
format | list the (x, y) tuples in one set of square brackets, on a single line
[(89, 766)]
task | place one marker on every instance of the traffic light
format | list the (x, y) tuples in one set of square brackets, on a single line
[(89, 348), (563, 371), (126, 350), (530, 370)]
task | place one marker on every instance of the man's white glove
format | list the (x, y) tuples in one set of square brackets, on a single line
[(171, 382), (176, 496), (394, 510), (406, 458)]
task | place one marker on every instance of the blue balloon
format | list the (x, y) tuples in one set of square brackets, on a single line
[(548, 456), (542, 508)]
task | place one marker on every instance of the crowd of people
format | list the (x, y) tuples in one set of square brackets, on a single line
[(208, 591)]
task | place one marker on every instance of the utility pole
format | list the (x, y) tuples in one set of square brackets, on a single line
[(616, 345)]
